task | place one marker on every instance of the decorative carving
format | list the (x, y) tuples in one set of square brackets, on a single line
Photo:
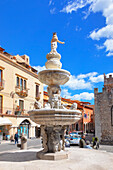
[(37, 105), (54, 96), (47, 106), (54, 43), (54, 77), (74, 106), (54, 136)]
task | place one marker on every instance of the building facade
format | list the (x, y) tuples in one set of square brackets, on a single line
[(104, 111), (19, 89), (86, 124)]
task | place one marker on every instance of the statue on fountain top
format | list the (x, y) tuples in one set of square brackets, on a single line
[(54, 43)]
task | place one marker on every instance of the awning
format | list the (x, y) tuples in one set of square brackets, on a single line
[(5, 121)]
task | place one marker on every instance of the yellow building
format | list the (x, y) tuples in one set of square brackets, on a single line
[(19, 89)]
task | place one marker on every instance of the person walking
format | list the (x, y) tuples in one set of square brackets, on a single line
[(16, 137)]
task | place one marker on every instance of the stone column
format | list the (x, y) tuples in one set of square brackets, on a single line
[(44, 136), (23, 142)]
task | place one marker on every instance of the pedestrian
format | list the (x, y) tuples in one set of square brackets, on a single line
[(16, 137), (82, 143), (96, 143)]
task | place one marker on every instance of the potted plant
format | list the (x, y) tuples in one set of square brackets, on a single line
[(18, 110)]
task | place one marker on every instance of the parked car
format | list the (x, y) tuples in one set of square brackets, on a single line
[(74, 139), (76, 133)]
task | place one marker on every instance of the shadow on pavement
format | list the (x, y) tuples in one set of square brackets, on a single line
[(18, 156)]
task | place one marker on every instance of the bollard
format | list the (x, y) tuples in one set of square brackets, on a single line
[(23, 142)]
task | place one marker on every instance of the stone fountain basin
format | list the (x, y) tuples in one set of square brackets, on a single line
[(54, 116), (54, 76)]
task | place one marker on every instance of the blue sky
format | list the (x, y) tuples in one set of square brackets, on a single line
[(85, 25)]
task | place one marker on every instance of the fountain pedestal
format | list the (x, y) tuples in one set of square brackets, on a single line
[(54, 117)]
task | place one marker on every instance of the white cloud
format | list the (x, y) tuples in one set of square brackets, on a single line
[(77, 28), (105, 32), (109, 74), (50, 2), (100, 5), (75, 83), (65, 93), (75, 5), (109, 45), (99, 47), (103, 6), (81, 76), (84, 81), (81, 96), (109, 54), (97, 79), (53, 10), (39, 68)]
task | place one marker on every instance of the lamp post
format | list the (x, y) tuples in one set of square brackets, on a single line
[(85, 127)]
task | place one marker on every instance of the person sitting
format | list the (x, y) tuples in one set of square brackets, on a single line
[(82, 143), (95, 143), (88, 145)]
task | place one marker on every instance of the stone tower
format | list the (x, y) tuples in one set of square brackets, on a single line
[(104, 111)]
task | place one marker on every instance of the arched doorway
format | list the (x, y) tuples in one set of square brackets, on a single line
[(24, 128)]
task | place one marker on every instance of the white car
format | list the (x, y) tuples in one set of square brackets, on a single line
[(74, 139)]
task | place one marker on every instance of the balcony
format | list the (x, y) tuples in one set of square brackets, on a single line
[(20, 112), (2, 83), (21, 92)]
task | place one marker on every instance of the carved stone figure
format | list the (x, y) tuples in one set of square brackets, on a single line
[(37, 105), (54, 42), (74, 106), (54, 96), (47, 106), (55, 142)]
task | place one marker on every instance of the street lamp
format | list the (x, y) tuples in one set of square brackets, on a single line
[(85, 127)]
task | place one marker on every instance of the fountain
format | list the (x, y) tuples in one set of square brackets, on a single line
[(54, 117)]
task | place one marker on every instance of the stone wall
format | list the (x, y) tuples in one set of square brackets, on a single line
[(103, 114)]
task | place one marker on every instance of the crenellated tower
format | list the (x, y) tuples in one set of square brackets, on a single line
[(104, 111)]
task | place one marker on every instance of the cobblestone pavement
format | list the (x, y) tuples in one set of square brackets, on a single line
[(36, 144), (79, 159), (32, 143)]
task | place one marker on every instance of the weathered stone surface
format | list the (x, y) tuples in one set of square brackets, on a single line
[(103, 112), (53, 156), (62, 117), (54, 76)]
